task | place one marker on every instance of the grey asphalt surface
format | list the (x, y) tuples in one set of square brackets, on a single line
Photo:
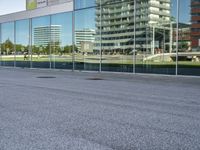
[(120, 112)]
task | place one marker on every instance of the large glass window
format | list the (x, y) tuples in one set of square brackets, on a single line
[(22, 44), (116, 31), (154, 42), (41, 37), (7, 46), (189, 38), (61, 41), (86, 50), (109, 35)]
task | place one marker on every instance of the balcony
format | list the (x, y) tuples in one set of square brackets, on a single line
[(159, 6), (159, 13)]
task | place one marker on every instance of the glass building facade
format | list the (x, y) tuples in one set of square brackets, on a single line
[(134, 36)]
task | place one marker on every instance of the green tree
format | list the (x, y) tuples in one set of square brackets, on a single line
[(8, 47)]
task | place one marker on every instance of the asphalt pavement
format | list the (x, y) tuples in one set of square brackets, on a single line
[(64, 110)]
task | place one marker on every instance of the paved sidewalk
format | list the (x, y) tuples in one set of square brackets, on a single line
[(119, 112)]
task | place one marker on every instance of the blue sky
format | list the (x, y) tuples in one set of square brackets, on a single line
[(184, 10), (10, 6)]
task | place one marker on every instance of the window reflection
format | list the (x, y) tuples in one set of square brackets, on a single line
[(7, 46), (86, 54), (115, 34), (105, 38), (188, 40), (61, 41), (22, 44), (41, 32)]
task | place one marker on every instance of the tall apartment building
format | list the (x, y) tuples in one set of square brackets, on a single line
[(84, 40), (117, 22), (44, 35), (195, 27)]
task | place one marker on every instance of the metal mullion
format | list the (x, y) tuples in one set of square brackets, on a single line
[(100, 61), (50, 39), (134, 44), (30, 43), (177, 36), (73, 36), (14, 43)]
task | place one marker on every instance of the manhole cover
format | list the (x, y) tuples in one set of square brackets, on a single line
[(94, 78), (46, 77)]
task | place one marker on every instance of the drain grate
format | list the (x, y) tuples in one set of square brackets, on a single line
[(46, 77), (94, 78)]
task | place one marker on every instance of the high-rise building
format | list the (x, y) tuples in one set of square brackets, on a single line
[(195, 27), (44, 35), (116, 20), (85, 39)]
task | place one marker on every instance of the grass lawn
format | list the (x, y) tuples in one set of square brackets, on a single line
[(95, 59)]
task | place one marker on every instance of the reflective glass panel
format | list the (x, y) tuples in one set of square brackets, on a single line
[(41, 36), (115, 19), (61, 41), (189, 46), (86, 52), (155, 49), (7, 46), (22, 44)]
